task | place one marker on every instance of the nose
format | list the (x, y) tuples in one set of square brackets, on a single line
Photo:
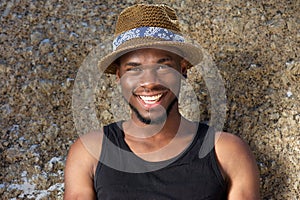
[(148, 78)]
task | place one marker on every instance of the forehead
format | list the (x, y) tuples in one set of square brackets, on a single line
[(147, 54)]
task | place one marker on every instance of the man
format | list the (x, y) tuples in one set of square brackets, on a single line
[(155, 154)]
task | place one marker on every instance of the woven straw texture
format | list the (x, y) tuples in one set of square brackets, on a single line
[(143, 15), (147, 15)]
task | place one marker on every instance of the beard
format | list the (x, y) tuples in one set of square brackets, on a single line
[(159, 120)]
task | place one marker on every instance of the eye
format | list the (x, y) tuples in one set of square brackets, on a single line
[(131, 69), (134, 69), (160, 67)]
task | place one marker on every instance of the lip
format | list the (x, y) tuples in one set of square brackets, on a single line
[(150, 100)]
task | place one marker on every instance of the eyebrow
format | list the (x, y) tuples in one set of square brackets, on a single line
[(133, 64), (164, 59), (161, 60)]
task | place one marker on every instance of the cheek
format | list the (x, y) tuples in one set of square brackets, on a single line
[(171, 81), (129, 82), (128, 85)]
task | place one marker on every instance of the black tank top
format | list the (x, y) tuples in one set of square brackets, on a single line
[(184, 177)]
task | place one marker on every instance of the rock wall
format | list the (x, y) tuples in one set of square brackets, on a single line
[(255, 45)]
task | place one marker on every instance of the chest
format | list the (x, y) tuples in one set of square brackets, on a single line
[(184, 180)]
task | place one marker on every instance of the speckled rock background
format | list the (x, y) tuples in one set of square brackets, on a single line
[(255, 45)]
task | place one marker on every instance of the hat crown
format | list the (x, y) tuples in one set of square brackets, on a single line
[(142, 15)]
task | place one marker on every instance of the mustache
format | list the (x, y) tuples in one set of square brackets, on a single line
[(154, 88), (158, 120)]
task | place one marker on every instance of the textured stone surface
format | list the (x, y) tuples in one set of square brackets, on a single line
[(255, 44)]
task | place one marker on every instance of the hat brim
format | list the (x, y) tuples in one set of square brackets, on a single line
[(188, 51)]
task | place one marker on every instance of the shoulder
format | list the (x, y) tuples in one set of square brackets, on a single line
[(87, 147), (230, 147), (82, 160), (231, 150), (238, 165), (229, 141)]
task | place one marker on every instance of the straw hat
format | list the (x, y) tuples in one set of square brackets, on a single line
[(149, 26)]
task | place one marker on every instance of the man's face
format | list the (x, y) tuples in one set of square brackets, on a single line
[(150, 81)]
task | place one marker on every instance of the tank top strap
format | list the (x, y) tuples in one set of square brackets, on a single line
[(114, 138)]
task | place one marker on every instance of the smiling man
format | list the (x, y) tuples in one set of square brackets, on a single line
[(155, 153), (150, 80)]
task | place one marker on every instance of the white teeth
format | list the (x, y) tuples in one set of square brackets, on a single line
[(151, 99)]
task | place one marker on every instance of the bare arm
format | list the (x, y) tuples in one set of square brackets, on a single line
[(80, 168), (239, 167)]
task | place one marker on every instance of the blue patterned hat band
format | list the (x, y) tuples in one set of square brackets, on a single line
[(140, 32)]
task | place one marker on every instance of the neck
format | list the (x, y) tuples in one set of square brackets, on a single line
[(160, 142), (139, 130)]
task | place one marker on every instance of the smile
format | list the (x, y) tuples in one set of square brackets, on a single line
[(151, 99)]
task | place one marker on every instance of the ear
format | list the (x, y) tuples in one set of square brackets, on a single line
[(184, 67), (118, 76)]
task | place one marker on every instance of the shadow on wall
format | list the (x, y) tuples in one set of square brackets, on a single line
[(274, 177), (255, 94)]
